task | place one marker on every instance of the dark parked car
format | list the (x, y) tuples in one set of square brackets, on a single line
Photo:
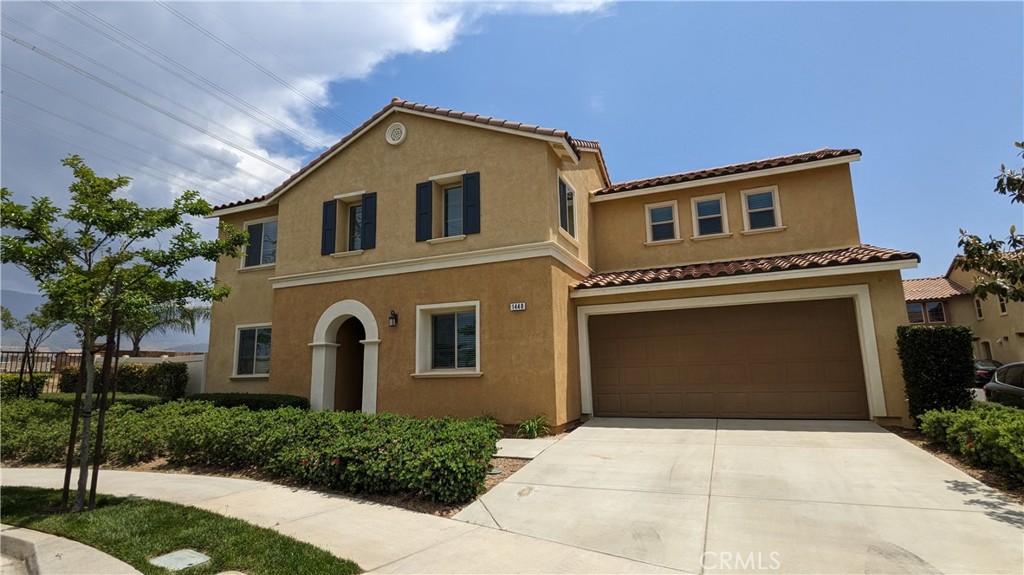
[(983, 370), (1007, 385)]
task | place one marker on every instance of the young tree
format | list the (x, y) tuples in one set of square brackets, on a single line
[(162, 318), (36, 328), (78, 254), (1000, 263)]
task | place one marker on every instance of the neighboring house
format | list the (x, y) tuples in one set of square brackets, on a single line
[(998, 324), (435, 262)]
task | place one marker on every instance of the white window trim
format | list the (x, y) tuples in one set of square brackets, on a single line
[(424, 337), (676, 238), (238, 341), (446, 239), (1002, 305), (448, 179), (575, 210), (696, 222), (775, 206), (245, 227), (978, 311), (351, 196)]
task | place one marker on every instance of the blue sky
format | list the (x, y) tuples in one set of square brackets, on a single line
[(932, 93)]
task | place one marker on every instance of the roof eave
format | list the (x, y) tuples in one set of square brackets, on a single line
[(748, 278), (728, 178)]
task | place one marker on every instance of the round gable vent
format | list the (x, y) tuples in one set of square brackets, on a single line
[(395, 134)]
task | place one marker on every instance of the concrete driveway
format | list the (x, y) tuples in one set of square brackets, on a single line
[(717, 496)]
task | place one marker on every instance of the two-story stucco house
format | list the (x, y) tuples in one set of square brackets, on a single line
[(435, 262), (997, 323)]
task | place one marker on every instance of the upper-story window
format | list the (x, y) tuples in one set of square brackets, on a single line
[(349, 224), (978, 312), (662, 221), (761, 209), (262, 247), (448, 207), (709, 217), (926, 312), (566, 207), (1002, 305)]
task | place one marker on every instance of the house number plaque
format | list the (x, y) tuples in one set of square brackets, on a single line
[(517, 306)]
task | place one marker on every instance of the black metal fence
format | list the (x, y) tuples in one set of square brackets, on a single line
[(48, 363)]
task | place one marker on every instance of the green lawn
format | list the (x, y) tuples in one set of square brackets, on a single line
[(135, 530)]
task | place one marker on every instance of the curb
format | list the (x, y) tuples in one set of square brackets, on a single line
[(46, 554)]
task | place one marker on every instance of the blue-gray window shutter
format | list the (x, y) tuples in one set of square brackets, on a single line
[(424, 193), (330, 227), (369, 239), (471, 203)]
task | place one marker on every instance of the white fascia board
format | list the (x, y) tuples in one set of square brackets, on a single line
[(747, 278), (729, 178), (461, 259)]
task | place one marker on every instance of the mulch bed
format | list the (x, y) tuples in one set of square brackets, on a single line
[(1002, 483)]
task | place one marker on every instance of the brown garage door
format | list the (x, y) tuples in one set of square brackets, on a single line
[(797, 360)]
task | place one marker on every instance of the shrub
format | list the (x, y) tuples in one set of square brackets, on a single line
[(135, 401), (131, 378), (68, 381), (534, 427), (29, 388), (987, 435), (34, 431), (254, 401), (938, 366)]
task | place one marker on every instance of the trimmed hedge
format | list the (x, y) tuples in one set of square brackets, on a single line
[(938, 367), (254, 401), (134, 400), (29, 388), (443, 459), (167, 380), (988, 435)]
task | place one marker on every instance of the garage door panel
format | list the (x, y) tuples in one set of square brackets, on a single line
[(784, 360)]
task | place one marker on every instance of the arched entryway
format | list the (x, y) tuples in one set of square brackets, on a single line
[(348, 370), (333, 339)]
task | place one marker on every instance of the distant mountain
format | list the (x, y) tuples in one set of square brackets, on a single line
[(22, 304)]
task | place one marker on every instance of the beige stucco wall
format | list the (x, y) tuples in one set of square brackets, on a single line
[(888, 311), (584, 178), (817, 209), (1003, 332), (517, 183), (516, 348), (250, 302)]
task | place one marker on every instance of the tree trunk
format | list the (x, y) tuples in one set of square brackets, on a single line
[(136, 346), (90, 377), (69, 463), (105, 376)]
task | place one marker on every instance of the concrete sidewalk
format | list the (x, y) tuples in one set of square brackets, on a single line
[(378, 537)]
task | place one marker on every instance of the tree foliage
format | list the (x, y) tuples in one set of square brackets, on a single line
[(163, 318), (999, 263), (104, 256)]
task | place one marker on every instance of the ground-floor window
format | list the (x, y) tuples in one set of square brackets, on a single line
[(252, 355), (447, 337)]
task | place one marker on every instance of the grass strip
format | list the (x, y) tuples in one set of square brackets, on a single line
[(135, 530)]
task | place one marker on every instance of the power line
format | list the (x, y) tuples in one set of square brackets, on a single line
[(130, 79), (121, 141), (238, 104), (252, 62), (138, 125), (142, 101)]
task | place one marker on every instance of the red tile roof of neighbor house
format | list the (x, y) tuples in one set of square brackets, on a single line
[(932, 289), (573, 143), (781, 161), (861, 254)]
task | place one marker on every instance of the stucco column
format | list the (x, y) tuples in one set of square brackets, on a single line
[(370, 349), (325, 358)]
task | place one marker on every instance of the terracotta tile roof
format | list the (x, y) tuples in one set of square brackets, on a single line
[(932, 289), (781, 161), (861, 254), (400, 103)]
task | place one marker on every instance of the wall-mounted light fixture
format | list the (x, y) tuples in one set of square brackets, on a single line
[(393, 318)]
